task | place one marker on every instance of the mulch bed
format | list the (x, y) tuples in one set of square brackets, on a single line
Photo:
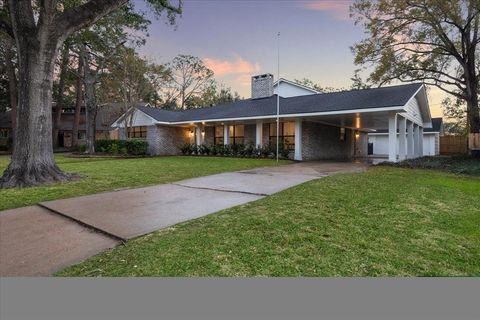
[(456, 164)]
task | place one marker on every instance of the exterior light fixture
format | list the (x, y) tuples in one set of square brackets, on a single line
[(357, 135)]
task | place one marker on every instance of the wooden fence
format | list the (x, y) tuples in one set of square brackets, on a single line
[(474, 141), (453, 145)]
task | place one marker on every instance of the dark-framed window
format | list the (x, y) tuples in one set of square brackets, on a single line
[(4, 133), (218, 137), (236, 134), (286, 135), (137, 132)]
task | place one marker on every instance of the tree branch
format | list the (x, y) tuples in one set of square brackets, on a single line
[(84, 15)]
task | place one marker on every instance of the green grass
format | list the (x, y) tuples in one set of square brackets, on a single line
[(106, 174), (385, 222)]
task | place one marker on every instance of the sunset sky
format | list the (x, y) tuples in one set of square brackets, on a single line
[(237, 39)]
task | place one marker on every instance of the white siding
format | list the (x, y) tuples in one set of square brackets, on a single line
[(139, 119), (413, 111), (289, 90), (430, 144)]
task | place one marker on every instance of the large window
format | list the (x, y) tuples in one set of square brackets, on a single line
[(236, 134), (218, 138), (137, 132), (286, 135)]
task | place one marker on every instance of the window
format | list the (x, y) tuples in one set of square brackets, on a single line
[(4, 133), (286, 134), (343, 134), (236, 134), (81, 135), (137, 132), (218, 138)]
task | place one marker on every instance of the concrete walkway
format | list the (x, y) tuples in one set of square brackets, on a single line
[(42, 239)]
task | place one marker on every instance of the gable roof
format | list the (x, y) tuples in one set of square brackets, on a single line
[(394, 96), (293, 83)]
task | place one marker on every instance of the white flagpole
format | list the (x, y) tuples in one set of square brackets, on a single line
[(278, 87)]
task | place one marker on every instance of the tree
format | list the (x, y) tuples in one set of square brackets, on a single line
[(213, 95), (39, 29), (131, 80), (189, 77), (433, 41), (309, 83)]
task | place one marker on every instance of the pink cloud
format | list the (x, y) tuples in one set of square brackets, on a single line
[(339, 9), (236, 66)]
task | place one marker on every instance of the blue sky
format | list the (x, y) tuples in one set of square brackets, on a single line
[(237, 39)]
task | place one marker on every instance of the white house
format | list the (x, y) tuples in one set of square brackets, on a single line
[(431, 140)]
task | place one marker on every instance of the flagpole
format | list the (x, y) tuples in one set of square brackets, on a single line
[(278, 87)]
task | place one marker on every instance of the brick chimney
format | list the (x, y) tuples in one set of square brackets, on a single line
[(262, 86)]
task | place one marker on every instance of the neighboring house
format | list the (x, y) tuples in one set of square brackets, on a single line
[(315, 125), (431, 140), (106, 115)]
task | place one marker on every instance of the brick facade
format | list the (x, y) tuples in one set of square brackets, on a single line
[(321, 142), (166, 140)]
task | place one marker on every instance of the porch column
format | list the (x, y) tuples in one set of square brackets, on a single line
[(298, 140), (410, 153), (392, 137), (420, 141), (259, 134), (416, 131), (199, 137), (226, 137), (402, 138)]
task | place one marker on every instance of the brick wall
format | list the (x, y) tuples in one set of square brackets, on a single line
[(166, 140), (209, 137), (249, 134), (320, 142)]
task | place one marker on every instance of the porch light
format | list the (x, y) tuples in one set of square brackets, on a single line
[(203, 132), (357, 135), (191, 133)]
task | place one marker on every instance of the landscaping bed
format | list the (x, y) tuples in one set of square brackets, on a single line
[(456, 164)]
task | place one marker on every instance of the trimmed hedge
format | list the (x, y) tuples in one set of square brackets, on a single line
[(132, 147), (235, 150)]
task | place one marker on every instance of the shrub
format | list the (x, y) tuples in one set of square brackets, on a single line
[(187, 148), (136, 147)]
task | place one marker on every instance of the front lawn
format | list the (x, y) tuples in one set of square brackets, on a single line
[(462, 164), (106, 174), (385, 222)]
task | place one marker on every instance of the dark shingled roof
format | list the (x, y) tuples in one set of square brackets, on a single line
[(322, 102)]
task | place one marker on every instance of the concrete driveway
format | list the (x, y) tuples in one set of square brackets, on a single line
[(45, 238)]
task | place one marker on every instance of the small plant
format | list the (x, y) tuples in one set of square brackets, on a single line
[(187, 148)]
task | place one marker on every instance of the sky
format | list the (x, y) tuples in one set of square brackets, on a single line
[(238, 39)]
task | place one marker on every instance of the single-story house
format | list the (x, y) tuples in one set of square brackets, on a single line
[(378, 141), (315, 125)]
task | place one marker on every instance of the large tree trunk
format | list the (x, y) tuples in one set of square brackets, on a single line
[(78, 103), (89, 79), (473, 111), (12, 83), (32, 161), (60, 94)]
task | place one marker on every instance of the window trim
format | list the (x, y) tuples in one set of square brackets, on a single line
[(139, 132), (281, 137)]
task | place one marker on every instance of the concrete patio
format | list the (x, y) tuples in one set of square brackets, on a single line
[(42, 239)]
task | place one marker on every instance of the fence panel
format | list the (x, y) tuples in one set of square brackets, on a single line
[(453, 145), (474, 141)]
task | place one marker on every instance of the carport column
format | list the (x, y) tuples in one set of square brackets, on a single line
[(392, 137), (420, 141), (226, 137), (416, 149), (410, 139), (298, 140), (199, 137), (259, 133), (402, 138)]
